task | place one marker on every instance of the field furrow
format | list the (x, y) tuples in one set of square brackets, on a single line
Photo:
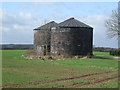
[(60, 80), (19, 72), (96, 82)]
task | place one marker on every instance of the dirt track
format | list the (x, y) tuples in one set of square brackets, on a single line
[(98, 81), (114, 58), (69, 79)]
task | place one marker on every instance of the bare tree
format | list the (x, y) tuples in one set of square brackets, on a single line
[(112, 25)]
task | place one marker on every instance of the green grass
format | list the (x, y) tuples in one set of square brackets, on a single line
[(103, 54), (18, 70)]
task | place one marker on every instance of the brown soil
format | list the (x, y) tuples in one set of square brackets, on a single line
[(98, 81), (66, 79)]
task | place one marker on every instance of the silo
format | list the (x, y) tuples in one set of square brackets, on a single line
[(71, 37), (42, 38)]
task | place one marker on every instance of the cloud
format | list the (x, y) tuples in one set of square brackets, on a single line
[(18, 27), (5, 29), (99, 32)]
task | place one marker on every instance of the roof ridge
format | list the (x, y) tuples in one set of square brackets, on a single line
[(72, 22), (47, 25)]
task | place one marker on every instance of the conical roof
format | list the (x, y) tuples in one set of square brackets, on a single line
[(47, 26), (73, 23)]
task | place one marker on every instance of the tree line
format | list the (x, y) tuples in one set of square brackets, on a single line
[(14, 46)]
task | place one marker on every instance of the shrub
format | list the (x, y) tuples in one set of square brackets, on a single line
[(115, 52)]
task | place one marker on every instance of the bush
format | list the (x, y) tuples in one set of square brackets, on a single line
[(115, 52)]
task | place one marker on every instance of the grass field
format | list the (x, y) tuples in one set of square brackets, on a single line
[(103, 54), (18, 72)]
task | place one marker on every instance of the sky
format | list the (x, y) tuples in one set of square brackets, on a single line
[(20, 18)]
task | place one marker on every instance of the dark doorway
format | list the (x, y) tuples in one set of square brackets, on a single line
[(44, 49), (48, 49)]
